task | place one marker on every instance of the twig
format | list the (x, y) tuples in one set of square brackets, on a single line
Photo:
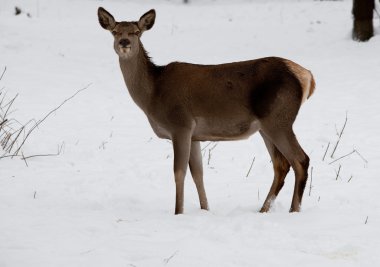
[(6, 139), (2, 123), (103, 145), (2, 100), (336, 131), (5, 69), (47, 115), (9, 149), (349, 180), (23, 157), (206, 146), (328, 145), (366, 220), (339, 137), (8, 132), (360, 155), (214, 146), (166, 261), (39, 155), (336, 145), (209, 153), (352, 152), (62, 147), (337, 174), (250, 167), (8, 156), (9, 104), (311, 180), (45, 155)]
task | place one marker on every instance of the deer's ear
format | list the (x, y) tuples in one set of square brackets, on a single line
[(147, 20), (106, 20)]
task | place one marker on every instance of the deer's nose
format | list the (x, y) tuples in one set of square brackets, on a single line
[(124, 42)]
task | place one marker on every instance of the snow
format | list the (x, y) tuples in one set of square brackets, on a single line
[(108, 198)]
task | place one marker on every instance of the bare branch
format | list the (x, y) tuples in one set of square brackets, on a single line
[(9, 104), (352, 152), (13, 134), (23, 158), (339, 137), (209, 143), (47, 115), (166, 261), (250, 167), (2, 123), (39, 155), (60, 148), (327, 148), (2, 100), (214, 146), (9, 149), (6, 156), (360, 155), (209, 152), (5, 69), (337, 174)]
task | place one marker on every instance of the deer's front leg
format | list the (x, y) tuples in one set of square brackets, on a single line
[(196, 170), (181, 147)]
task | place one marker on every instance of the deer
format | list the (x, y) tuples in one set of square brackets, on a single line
[(191, 103)]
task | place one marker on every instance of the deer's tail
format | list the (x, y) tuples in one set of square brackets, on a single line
[(304, 76), (310, 88)]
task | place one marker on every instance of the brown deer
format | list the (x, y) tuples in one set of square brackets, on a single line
[(189, 103)]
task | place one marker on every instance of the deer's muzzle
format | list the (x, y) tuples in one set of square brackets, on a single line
[(124, 43)]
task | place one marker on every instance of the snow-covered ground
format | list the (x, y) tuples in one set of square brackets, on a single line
[(108, 199)]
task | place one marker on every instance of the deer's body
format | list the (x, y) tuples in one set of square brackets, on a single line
[(222, 102), (188, 103)]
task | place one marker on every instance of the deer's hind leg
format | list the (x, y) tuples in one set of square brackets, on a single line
[(196, 169), (281, 168), (286, 142)]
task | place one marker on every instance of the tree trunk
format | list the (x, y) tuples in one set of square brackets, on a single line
[(363, 14)]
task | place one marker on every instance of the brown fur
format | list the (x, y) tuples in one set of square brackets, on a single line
[(188, 103), (305, 77)]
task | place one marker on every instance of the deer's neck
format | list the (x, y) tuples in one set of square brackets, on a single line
[(139, 74)]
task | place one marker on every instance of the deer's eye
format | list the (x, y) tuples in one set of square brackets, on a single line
[(137, 32), (114, 33)]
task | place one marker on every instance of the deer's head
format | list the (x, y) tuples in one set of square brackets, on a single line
[(126, 34)]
